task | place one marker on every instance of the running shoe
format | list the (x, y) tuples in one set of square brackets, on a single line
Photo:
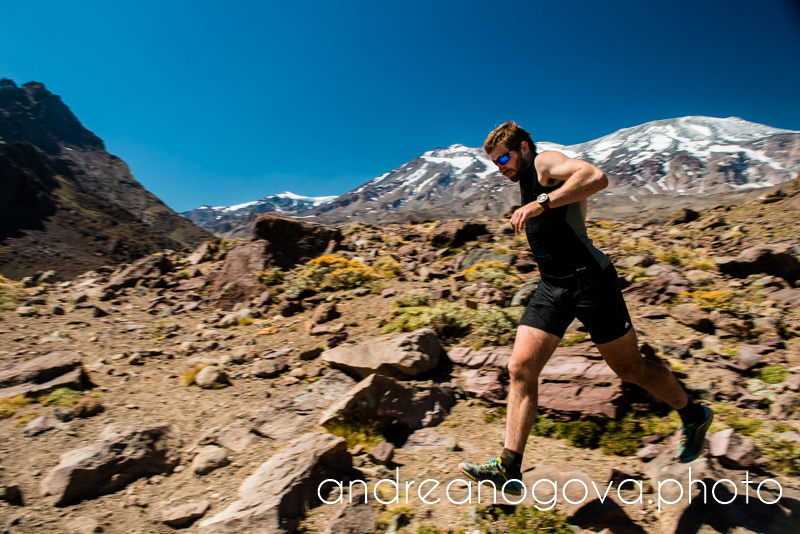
[(693, 438), (493, 471)]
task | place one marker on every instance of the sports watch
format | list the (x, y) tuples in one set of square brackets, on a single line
[(544, 201)]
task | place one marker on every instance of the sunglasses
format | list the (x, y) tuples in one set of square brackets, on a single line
[(502, 160)]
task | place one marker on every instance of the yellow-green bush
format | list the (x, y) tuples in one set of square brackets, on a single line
[(334, 272), (271, 276), (60, 397), (9, 407), (11, 294), (449, 320), (495, 273), (497, 325), (783, 454), (387, 267), (364, 433), (773, 374)]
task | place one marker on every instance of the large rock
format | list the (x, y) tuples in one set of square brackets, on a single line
[(390, 403), (281, 419), (275, 498), (485, 383), (454, 233), (657, 291), (745, 513), (524, 295), (480, 255), (777, 260), (108, 465), (242, 260), (292, 241), (734, 451), (692, 316), (357, 517), (61, 368), (397, 355), (148, 268)]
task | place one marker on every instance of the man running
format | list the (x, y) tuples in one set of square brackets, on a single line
[(577, 280)]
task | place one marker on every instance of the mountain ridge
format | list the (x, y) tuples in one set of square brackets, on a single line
[(661, 165)]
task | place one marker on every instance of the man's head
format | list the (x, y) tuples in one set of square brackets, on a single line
[(511, 149)]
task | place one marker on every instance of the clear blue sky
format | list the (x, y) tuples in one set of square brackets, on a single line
[(225, 102)]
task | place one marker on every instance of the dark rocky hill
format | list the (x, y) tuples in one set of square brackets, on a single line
[(49, 220), (34, 115)]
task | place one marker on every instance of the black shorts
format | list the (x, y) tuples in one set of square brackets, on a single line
[(594, 298)]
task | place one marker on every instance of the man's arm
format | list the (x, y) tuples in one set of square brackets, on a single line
[(580, 180)]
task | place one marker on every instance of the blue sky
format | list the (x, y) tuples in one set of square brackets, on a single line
[(226, 102)]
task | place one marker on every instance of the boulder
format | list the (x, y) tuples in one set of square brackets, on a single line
[(692, 316), (149, 268), (392, 404), (245, 290), (658, 291), (110, 464), (454, 233), (242, 260), (525, 293), (324, 312), (283, 418), (208, 459), (400, 355), (201, 254), (211, 377), (185, 515), (357, 517), (485, 383), (480, 255), (777, 260), (276, 496), (734, 451), (291, 241), (61, 368), (683, 216), (587, 509)]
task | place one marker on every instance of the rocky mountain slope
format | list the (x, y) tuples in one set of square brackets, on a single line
[(33, 115), (148, 399), (654, 168)]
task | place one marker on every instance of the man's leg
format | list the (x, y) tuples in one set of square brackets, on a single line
[(624, 358), (532, 348)]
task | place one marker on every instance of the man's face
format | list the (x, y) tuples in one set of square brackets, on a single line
[(512, 168)]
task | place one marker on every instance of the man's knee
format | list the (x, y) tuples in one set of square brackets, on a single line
[(523, 370), (635, 372)]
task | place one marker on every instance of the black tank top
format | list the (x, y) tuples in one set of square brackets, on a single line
[(557, 237)]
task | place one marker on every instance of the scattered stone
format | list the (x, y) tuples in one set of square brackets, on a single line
[(310, 354), (146, 269), (42, 374), (784, 406), (525, 293), (185, 515), (382, 453), (276, 496), (657, 291), (208, 459), (201, 254), (388, 292), (119, 458), (40, 425), (734, 451), (357, 517), (386, 401), (87, 407), (776, 260), (324, 312), (211, 377), (692, 316), (397, 355), (485, 383), (650, 451), (453, 233), (11, 494), (290, 307)]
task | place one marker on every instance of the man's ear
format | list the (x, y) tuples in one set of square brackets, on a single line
[(524, 148)]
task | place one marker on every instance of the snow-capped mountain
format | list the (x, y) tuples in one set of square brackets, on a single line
[(688, 161), (222, 219)]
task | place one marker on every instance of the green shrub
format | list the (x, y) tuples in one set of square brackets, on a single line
[(493, 414), (622, 437), (11, 294), (573, 339), (523, 520), (774, 374), (544, 427), (60, 397), (497, 274), (271, 276), (413, 299), (584, 434), (783, 454), (497, 325), (364, 433), (387, 267)]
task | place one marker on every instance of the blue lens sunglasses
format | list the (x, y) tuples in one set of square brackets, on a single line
[(502, 160)]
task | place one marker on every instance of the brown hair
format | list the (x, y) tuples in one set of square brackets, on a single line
[(508, 134)]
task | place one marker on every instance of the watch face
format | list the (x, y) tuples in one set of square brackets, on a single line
[(541, 199)]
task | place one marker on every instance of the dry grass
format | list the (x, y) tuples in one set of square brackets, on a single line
[(9, 407)]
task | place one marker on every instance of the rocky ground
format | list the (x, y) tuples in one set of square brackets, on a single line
[(206, 391)]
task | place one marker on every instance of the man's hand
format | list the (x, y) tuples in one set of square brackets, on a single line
[(528, 211)]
